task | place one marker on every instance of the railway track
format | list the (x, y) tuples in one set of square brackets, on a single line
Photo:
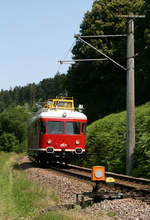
[(138, 188), (120, 180), (127, 186), (69, 188)]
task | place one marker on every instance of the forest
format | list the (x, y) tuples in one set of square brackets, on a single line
[(99, 85)]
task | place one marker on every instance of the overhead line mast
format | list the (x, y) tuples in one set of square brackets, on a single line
[(130, 93)]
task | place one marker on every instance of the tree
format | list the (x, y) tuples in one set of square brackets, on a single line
[(14, 124), (53, 87), (101, 86), (142, 45), (32, 93)]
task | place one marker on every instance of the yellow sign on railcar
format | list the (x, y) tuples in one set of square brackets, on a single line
[(62, 103)]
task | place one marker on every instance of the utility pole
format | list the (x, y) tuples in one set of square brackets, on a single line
[(130, 99), (130, 93)]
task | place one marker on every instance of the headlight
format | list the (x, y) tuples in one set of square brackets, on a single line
[(77, 142), (64, 115), (49, 141)]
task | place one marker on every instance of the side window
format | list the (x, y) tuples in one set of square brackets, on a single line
[(42, 127), (84, 128)]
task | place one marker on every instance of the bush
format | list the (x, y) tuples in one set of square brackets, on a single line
[(8, 142), (14, 123), (106, 143)]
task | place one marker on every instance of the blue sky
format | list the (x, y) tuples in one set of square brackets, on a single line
[(34, 35)]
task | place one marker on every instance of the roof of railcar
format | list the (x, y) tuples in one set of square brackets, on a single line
[(62, 107), (59, 114)]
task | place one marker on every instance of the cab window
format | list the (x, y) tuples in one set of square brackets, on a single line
[(72, 128), (55, 127)]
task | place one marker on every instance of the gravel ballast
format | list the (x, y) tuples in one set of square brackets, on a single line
[(68, 187)]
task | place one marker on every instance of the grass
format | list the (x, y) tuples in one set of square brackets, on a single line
[(54, 216), (20, 199), (111, 214)]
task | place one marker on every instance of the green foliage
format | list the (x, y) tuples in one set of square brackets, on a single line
[(25, 196), (14, 129), (101, 86), (28, 95), (54, 216), (111, 214), (21, 198), (142, 150), (8, 142), (106, 143)]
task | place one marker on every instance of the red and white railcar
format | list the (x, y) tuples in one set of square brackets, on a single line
[(57, 132)]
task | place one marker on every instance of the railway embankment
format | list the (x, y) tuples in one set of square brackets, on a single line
[(68, 187)]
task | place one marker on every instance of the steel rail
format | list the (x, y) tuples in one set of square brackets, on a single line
[(132, 187), (120, 180), (138, 188), (115, 175)]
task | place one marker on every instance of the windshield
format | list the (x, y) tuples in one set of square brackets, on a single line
[(55, 127), (72, 128)]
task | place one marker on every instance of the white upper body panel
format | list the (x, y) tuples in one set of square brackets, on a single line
[(60, 114)]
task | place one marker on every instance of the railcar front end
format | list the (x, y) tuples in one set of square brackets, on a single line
[(57, 134)]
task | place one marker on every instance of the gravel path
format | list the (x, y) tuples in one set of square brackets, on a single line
[(68, 187)]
